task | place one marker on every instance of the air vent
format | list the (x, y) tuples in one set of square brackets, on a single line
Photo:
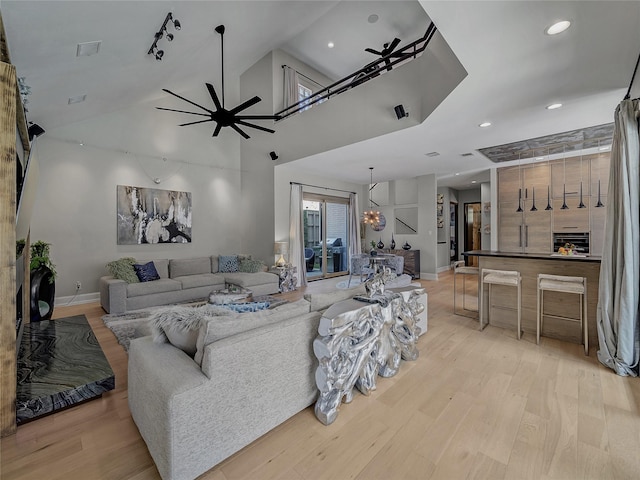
[(432, 154), (77, 99), (88, 48), (468, 154)]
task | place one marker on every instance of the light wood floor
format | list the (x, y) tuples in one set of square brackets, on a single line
[(474, 405)]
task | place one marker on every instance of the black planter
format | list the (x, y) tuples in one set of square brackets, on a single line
[(43, 293)]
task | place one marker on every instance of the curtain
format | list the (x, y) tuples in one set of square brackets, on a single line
[(354, 225), (296, 234), (290, 86), (618, 297)]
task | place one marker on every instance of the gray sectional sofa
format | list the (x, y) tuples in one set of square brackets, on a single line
[(181, 280), (250, 373)]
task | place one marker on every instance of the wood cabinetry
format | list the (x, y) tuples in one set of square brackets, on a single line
[(411, 261), (532, 231), (528, 230)]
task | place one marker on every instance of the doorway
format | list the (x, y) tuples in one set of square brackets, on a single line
[(326, 236), (472, 230)]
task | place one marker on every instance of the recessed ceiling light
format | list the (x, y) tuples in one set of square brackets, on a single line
[(558, 27), (457, 173), (88, 48), (473, 181), (485, 124), (330, 45), (81, 144), (553, 106), (76, 99), (373, 18)]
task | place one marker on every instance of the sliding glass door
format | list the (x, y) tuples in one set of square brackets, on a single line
[(326, 235)]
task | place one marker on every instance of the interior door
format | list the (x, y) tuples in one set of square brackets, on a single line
[(472, 230)]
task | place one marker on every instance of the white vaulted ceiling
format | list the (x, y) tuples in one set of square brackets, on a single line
[(514, 69)]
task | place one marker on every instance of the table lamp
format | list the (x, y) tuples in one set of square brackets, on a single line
[(281, 248)]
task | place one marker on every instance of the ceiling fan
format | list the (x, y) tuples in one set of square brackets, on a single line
[(387, 49), (222, 116)]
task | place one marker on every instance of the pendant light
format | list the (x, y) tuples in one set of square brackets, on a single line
[(520, 189), (533, 197), (564, 184), (599, 204), (581, 204), (371, 216), (548, 207)]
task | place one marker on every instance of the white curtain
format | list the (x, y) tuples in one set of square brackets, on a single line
[(354, 225), (290, 86), (618, 296), (296, 234)]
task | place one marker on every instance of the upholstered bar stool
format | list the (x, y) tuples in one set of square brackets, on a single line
[(500, 277), (459, 268), (563, 284)]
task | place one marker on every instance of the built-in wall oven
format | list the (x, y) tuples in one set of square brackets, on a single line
[(580, 240)]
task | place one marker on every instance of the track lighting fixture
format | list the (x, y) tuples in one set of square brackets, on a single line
[(154, 50), (273, 155), (400, 112)]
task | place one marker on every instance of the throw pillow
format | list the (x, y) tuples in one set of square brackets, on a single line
[(228, 263), (123, 269), (177, 325), (146, 272), (250, 266)]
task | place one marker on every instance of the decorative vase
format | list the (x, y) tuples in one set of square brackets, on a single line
[(373, 252), (406, 246), (393, 243), (380, 244), (43, 293)]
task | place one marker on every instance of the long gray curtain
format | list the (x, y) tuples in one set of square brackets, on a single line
[(296, 233), (618, 296), (354, 225), (290, 86)]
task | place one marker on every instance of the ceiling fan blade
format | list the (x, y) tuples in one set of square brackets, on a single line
[(237, 129), (257, 127), (193, 123), (217, 130), (214, 96), (371, 50), (245, 105), (184, 111), (393, 45), (187, 100), (258, 117)]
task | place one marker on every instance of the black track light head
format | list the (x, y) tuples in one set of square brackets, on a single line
[(273, 155), (159, 55), (176, 25), (170, 37), (400, 111)]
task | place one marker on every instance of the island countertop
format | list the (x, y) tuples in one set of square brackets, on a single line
[(535, 256)]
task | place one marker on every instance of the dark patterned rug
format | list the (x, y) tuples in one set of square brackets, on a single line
[(135, 324)]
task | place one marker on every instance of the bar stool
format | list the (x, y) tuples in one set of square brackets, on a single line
[(459, 268), (500, 277), (564, 284)]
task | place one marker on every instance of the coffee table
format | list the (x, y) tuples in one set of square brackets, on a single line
[(231, 294)]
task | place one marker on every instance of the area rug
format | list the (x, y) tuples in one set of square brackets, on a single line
[(355, 281), (135, 324)]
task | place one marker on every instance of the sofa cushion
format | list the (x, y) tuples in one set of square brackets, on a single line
[(217, 325), (180, 267), (122, 269), (178, 325), (248, 280), (228, 263), (162, 267), (147, 288), (246, 306), (321, 301), (201, 280), (146, 272)]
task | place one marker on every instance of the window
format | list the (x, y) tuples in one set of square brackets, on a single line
[(304, 93)]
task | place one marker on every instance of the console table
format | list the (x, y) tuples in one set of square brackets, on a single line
[(357, 341), (411, 261)]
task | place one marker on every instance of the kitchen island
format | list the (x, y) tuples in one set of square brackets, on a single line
[(503, 313)]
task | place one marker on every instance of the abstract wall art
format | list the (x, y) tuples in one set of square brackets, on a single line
[(151, 215)]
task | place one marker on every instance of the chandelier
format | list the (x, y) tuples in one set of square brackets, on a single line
[(371, 216)]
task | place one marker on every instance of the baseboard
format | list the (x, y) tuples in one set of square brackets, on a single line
[(77, 299), (428, 276), (446, 268)]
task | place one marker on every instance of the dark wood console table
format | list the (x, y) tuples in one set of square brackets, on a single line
[(411, 261)]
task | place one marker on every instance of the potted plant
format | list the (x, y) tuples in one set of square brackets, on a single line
[(43, 287)]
